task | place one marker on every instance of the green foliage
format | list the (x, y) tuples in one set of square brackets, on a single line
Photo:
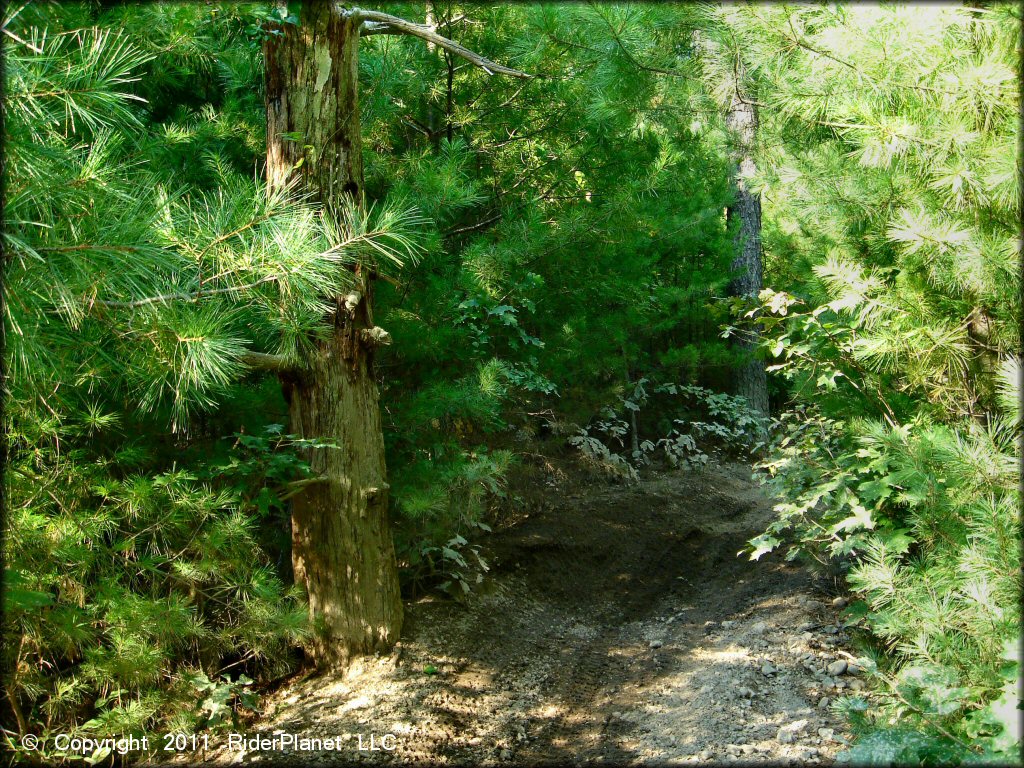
[(562, 246), (927, 517), (143, 264), (682, 434), (219, 700), (124, 580), (893, 238), (572, 219), (441, 499)]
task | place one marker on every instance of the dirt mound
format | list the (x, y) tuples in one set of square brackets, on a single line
[(619, 626)]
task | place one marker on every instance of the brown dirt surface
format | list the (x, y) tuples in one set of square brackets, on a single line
[(618, 625)]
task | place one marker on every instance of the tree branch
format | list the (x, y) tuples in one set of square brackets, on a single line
[(264, 362), (377, 23), (633, 60), (166, 297), (375, 337), (474, 227), (296, 486)]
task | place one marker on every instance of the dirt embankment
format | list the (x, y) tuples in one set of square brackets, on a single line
[(618, 626)]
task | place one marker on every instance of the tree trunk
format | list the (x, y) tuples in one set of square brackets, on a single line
[(741, 120), (433, 112), (342, 551)]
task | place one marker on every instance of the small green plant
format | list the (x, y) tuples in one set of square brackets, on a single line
[(266, 469), (221, 700), (729, 424), (457, 565), (442, 505), (595, 450)]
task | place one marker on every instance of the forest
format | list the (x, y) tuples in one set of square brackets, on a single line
[(511, 383)]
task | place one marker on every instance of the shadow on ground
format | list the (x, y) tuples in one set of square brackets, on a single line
[(619, 627)]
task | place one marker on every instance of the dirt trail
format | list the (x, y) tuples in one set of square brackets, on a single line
[(619, 627)]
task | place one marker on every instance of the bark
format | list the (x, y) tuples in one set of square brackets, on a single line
[(433, 120), (264, 362), (449, 101), (342, 551), (741, 120), (377, 23)]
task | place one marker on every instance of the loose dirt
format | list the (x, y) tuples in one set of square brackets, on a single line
[(617, 626)]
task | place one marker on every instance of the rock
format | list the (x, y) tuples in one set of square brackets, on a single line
[(768, 669), (788, 733), (746, 693), (837, 668), (823, 702), (840, 602), (854, 669), (759, 628), (728, 624), (856, 684), (655, 644), (826, 734)]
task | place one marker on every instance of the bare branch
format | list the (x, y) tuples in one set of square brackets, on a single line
[(264, 362), (352, 300), (166, 297), (375, 337), (296, 486), (474, 227), (368, 28), (377, 23)]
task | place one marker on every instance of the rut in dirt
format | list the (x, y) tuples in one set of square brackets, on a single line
[(617, 625), (595, 564)]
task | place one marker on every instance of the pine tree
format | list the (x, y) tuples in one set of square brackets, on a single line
[(741, 120), (342, 549), (893, 182), (141, 274)]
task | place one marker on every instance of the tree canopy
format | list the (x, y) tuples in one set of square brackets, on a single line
[(548, 221)]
